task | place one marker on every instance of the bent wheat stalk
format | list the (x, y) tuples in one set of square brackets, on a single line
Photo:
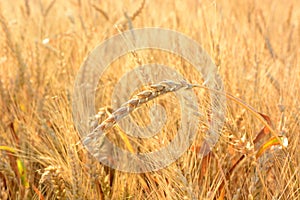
[(143, 97)]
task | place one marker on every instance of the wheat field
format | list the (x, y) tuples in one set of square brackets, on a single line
[(255, 46)]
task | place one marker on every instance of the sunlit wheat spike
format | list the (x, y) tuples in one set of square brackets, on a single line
[(136, 101)]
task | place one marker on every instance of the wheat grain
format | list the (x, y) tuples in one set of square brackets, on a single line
[(53, 176)]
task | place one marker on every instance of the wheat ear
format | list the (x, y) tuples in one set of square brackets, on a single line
[(145, 96)]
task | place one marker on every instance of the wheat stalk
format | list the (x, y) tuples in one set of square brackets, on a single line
[(143, 97), (138, 11)]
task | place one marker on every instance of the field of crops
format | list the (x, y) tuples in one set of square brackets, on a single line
[(255, 48)]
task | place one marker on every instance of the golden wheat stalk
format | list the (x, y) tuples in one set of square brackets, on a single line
[(143, 97)]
